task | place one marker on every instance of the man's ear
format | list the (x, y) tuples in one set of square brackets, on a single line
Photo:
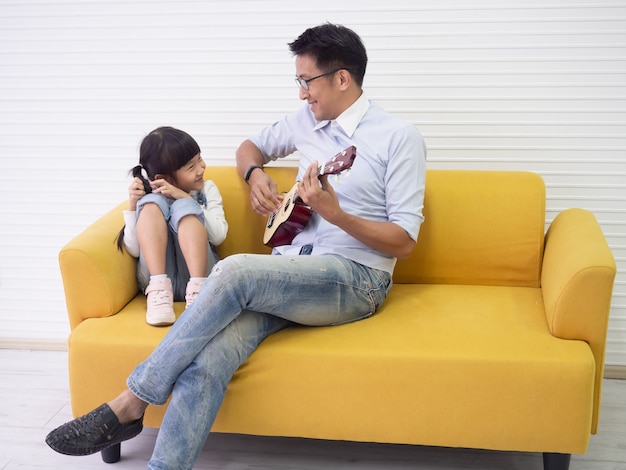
[(344, 79)]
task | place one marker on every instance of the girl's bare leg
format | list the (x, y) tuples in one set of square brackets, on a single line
[(152, 234), (194, 244)]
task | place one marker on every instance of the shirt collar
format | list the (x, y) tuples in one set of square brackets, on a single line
[(350, 118)]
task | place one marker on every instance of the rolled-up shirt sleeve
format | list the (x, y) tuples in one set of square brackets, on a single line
[(405, 180)]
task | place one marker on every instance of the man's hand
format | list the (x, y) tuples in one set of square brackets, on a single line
[(319, 194), (264, 195), (387, 237)]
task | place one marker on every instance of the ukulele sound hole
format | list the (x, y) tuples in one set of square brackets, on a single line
[(272, 217)]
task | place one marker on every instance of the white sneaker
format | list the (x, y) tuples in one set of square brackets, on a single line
[(192, 291), (160, 300)]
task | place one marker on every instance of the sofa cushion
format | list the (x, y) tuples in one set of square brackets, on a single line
[(451, 356), (454, 357), (480, 228)]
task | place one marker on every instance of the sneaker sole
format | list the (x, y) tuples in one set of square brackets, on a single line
[(160, 323)]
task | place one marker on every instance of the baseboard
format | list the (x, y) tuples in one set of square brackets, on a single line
[(615, 372), (34, 344)]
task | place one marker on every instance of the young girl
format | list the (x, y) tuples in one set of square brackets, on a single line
[(175, 219)]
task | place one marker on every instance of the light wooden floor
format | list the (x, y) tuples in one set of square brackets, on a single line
[(35, 399)]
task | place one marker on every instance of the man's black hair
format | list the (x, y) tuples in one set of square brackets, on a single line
[(333, 47)]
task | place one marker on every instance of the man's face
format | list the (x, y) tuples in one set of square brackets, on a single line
[(323, 92)]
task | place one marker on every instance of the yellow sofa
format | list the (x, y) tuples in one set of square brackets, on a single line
[(493, 335)]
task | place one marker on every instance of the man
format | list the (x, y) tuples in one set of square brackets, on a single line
[(344, 256)]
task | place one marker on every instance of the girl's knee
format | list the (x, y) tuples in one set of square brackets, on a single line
[(152, 207), (185, 210), (187, 221)]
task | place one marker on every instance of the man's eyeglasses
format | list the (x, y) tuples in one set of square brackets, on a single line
[(304, 82)]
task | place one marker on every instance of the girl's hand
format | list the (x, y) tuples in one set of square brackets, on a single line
[(168, 190), (135, 192)]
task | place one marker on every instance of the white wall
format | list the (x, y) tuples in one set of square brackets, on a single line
[(530, 84)]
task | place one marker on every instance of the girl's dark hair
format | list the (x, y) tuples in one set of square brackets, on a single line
[(334, 47), (162, 152), (165, 150)]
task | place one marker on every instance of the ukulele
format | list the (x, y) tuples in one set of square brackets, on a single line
[(290, 218)]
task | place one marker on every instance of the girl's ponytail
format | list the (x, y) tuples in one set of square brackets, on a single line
[(138, 173)]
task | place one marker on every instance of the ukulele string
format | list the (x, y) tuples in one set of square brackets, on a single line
[(320, 169), (280, 206)]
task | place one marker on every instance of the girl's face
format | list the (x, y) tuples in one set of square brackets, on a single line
[(190, 176)]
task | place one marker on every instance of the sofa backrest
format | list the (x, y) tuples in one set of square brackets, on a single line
[(480, 227), (245, 227)]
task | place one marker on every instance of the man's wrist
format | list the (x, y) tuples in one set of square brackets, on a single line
[(249, 171)]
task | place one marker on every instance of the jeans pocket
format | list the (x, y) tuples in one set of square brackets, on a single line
[(374, 287), (380, 287)]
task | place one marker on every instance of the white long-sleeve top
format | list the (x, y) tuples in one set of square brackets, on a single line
[(214, 219)]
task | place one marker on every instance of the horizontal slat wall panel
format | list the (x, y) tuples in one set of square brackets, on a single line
[(510, 85)]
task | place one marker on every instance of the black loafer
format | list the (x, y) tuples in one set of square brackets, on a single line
[(92, 432)]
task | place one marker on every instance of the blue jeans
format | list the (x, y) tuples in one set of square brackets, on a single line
[(197, 358)]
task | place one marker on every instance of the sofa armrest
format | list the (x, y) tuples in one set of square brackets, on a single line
[(577, 285), (98, 279)]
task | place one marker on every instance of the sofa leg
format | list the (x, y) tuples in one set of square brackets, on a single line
[(553, 461), (111, 454)]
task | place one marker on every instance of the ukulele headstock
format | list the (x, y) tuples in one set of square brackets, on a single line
[(340, 162)]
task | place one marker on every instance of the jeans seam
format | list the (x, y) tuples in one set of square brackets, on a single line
[(139, 394)]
